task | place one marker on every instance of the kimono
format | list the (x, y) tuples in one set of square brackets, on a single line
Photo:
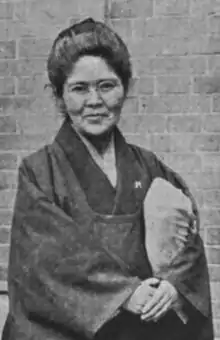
[(77, 249)]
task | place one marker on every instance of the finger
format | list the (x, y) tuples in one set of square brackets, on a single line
[(156, 309), (182, 239), (183, 231), (162, 312), (187, 215), (159, 295)]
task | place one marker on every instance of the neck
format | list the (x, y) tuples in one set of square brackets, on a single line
[(100, 142)]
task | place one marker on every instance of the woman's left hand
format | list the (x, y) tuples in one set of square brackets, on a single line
[(164, 299)]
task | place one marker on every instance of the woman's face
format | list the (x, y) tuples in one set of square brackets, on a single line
[(93, 96)]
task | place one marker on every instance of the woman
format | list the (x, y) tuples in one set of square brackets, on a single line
[(78, 267)]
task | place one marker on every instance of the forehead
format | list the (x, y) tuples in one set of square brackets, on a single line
[(90, 68)]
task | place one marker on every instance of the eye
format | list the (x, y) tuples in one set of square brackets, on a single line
[(107, 85), (79, 88)]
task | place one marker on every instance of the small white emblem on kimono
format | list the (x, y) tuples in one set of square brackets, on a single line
[(137, 185)]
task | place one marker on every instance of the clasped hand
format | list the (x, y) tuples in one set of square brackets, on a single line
[(150, 301)]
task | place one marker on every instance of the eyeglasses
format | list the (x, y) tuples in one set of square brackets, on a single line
[(101, 86)]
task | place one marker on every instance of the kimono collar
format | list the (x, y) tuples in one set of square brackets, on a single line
[(131, 176)]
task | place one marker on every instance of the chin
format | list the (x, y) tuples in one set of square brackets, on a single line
[(98, 130)]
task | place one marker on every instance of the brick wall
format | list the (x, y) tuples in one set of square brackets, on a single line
[(173, 106)]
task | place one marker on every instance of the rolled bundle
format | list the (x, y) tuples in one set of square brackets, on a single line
[(169, 223)]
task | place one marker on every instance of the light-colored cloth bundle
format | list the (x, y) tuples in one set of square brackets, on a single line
[(169, 223)]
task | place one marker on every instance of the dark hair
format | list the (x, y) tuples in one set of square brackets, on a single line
[(87, 37)]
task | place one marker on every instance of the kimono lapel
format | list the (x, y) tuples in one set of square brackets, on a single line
[(102, 197), (133, 180), (95, 184)]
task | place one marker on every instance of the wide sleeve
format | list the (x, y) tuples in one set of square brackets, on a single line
[(189, 272), (58, 275)]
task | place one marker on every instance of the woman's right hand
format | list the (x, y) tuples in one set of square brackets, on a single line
[(141, 295)]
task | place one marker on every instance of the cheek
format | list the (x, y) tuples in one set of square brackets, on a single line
[(115, 99), (74, 104)]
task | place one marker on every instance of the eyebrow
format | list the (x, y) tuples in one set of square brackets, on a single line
[(84, 82)]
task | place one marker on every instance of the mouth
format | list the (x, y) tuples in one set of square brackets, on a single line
[(96, 115)]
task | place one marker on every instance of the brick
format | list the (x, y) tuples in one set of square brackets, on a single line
[(4, 254), (7, 68), (209, 7), (211, 161), (37, 124), (212, 198), (206, 142), (5, 216), (4, 235), (173, 84), (184, 161), (23, 142), (7, 86), (183, 142), (3, 273), (7, 199), (211, 123), (214, 64), (216, 309), (137, 139), (163, 26), (33, 48), (31, 85), (8, 161), (160, 143), (213, 236), (175, 103), (210, 216), (213, 45), (216, 103), (172, 65), (130, 105), (143, 124), (8, 180), (7, 50), (207, 84), (186, 123), (28, 67), (204, 180), (3, 30), (158, 46), (214, 24), (217, 328), (214, 272), (173, 7), (7, 124), (145, 85), (213, 255), (130, 8), (215, 289), (200, 44), (123, 27), (29, 104), (6, 10)]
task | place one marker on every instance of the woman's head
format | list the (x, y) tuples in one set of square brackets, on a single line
[(89, 70), (87, 37)]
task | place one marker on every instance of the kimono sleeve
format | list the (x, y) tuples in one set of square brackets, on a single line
[(189, 273), (58, 276)]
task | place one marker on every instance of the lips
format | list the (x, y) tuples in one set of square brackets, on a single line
[(96, 115)]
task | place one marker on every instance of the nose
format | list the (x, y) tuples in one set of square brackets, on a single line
[(94, 98)]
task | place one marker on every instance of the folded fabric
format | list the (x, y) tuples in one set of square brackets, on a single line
[(168, 217)]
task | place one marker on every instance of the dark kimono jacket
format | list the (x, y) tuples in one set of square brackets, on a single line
[(77, 249)]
